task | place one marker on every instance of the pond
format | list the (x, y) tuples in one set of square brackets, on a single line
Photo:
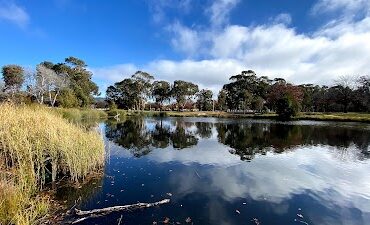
[(232, 171)]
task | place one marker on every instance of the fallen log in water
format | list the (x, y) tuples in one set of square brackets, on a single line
[(108, 210), (104, 211)]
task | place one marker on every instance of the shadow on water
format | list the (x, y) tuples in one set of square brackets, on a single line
[(224, 171)]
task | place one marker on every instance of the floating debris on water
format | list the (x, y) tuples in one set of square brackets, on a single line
[(301, 221), (188, 220), (256, 221), (166, 220)]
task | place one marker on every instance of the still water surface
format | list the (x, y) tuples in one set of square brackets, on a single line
[(223, 171)]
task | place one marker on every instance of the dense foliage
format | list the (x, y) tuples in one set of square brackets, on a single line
[(66, 84), (13, 77)]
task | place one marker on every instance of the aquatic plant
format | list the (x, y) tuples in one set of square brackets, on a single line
[(36, 146)]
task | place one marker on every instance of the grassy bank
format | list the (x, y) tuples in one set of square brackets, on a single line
[(37, 146), (78, 115), (123, 113), (345, 117), (353, 117)]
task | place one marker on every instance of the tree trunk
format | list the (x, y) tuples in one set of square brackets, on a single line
[(55, 99)]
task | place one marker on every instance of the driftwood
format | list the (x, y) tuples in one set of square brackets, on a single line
[(104, 211)]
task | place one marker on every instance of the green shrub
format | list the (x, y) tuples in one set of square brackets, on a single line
[(286, 107)]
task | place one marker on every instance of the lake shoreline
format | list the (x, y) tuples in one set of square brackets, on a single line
[(335, 117)]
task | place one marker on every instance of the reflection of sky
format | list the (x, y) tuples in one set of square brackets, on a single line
[(333, 177)]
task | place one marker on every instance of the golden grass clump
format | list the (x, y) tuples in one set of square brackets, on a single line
[(36, 145)]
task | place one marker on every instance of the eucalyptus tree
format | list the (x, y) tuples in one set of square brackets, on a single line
[(46, 82), (221, 100), (183, 91), (80, 80), (131, 93), (161, 91), (242, 89), (307, 102), (344, 90), (204, 100), (123, 94), (143, 83), (13, 76)]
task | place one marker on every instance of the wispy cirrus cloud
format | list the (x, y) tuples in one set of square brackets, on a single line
[(219, 11), (349, 8), (158, 8), (13, 13)]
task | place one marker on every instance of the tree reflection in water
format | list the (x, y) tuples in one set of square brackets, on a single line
[(141, 137), (245, 138)]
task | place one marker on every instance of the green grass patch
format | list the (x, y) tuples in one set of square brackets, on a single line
[(347, 117), (78, 115)]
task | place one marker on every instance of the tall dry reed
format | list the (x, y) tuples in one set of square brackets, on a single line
[(37, 144)]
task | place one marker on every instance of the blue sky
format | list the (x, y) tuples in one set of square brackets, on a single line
[(204, 41)]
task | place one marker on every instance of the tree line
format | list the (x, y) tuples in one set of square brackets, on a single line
[(246, 92), (69, 84), (134, 93), (66, 84)]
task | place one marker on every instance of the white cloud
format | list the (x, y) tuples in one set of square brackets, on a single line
[(340, 47), (349, 8), (219, 11), (184, 39), (11, 12), (114, 73)]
